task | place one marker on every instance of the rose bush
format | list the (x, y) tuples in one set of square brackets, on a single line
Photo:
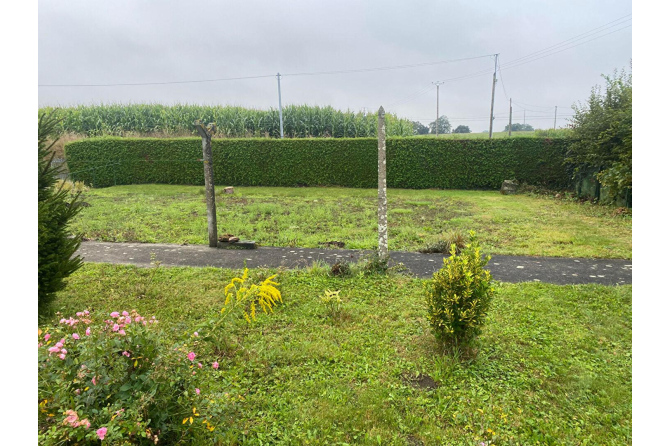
[(117, 378)]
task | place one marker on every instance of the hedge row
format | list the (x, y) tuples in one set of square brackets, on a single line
[(413, 163)]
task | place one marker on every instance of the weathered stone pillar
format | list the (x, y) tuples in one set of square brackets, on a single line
[(382, 222)]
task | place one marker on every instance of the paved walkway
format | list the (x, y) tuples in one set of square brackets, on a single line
[(504, 268)]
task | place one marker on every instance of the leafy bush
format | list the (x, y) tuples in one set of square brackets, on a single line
[(56, 208), (459, 295), (115, 378), (412, 163), (603, 131)]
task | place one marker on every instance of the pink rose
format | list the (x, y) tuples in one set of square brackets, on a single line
[(115, 327), (93, 381), (128, 320), (197, 391), (215, 365), (125, 313), (75, 336), (114, 314), (122, 332), (199, 365), (126, 354), (59, 344), (46, 337), (195, 334), (63, 351), (101, 433), (54, 349), (61, 356), (191, 356), (88, 331), (85, 423)]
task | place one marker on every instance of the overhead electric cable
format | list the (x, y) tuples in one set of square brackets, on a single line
[(553, 49), (578, 37), (315, 73)]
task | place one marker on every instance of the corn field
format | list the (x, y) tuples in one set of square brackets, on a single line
[(300, 121)]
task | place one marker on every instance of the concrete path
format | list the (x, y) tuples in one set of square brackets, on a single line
[(504, 268)]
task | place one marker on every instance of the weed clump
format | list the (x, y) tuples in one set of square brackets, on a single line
[(377, 265), (459, 296), (341, 269), (444, 244)]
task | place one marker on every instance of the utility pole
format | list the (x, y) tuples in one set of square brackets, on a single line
[(281, 118), (510, 117), (493, 95), (555, 110), (437, 119)]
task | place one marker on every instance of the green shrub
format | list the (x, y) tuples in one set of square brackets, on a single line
[(412, 163), (459, 295), (115, 376), (56, 208)]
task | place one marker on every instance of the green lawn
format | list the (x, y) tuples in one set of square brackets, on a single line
[(304, 217), (553, 367)]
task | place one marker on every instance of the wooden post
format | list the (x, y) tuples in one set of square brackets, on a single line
[(382, 222), (510, 117), (206, 135)]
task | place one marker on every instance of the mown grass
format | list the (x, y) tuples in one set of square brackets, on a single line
[(553, 364), (305, 217)]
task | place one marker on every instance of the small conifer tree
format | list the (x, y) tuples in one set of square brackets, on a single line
[(56, 208)]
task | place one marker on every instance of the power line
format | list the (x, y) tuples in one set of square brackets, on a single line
[(553, 49), (417, 93), (593, 31), (157, 83), (514, 65), (394, 67), (315, 73)]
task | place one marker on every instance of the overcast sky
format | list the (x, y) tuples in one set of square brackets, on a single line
[(101, 42)]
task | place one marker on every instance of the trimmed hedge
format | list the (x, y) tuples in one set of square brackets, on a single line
[(413, 163)]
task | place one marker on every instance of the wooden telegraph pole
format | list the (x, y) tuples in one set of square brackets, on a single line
[(382, 221), (493, 96), (510, 117), (206, 135)]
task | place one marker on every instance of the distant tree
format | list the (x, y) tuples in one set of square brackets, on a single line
[(462, 129), (516, 127), (603, 133), (444, 125), (419, 128)]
